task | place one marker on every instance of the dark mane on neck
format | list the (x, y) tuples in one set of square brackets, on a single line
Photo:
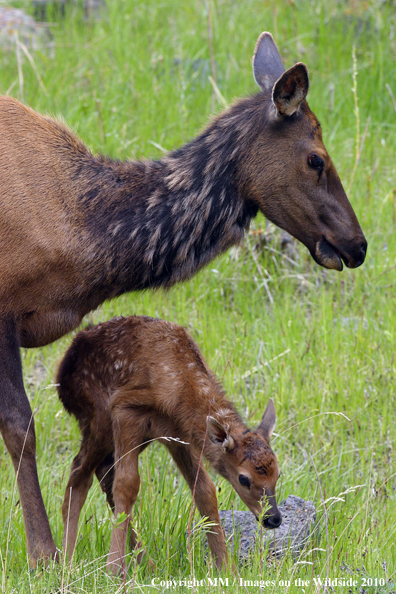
[(161, 221)]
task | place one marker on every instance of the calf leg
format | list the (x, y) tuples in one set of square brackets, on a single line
[(17, 428), (205, 496), (127, 439), (125, 491), (105, 476), (77, 488), (87, 461)]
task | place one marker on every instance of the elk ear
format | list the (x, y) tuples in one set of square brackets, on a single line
[(267, 63), (291, 89), (267, 424), (218, 434)]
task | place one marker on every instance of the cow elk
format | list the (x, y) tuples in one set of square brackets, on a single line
[(77, 229), (132, 380)]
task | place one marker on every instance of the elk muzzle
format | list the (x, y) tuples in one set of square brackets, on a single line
[(272, 517), (273, 521), (352, 254)]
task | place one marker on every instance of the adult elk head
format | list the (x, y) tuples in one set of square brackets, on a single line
[(310, 201)]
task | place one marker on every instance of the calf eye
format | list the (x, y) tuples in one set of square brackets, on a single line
[(316, 162), (244, 481)]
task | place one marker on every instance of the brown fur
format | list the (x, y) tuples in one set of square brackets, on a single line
[(77, 229), (132, 380)]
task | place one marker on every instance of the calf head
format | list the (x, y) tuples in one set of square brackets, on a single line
[(288, 172), (245, 459)]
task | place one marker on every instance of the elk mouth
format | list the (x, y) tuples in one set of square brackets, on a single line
[(272, 522), (269, 522), (328, 256), (353, 253)]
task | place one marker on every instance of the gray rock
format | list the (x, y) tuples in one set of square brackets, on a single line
[(92, 8), (16, 25), (298, 523)]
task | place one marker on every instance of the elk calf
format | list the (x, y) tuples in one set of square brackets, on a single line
[(131, 380)]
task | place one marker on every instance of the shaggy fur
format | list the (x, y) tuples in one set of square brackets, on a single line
[(77, 229)]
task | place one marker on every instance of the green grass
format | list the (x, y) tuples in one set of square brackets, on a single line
[(128, 85)]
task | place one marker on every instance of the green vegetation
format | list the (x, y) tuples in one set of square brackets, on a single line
[(137, 80)]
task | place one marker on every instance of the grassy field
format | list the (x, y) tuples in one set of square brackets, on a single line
[(135, 83)]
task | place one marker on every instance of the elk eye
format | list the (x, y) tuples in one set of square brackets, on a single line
[(244, 481), (316, 162)]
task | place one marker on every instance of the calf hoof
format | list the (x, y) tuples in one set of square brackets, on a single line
[(116, 566), (43, 556)]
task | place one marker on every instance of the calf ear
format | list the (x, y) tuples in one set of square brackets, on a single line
[(267, 424), (267, 63), (218, 434), (291, 89)]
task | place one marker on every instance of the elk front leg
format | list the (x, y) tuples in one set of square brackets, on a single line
[(17, 428), (205, 496)]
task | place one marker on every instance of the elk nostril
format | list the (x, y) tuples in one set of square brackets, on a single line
[(273, 521), (362, 253), (277, 521)]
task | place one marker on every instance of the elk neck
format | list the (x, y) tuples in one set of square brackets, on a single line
[(155, 223)]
